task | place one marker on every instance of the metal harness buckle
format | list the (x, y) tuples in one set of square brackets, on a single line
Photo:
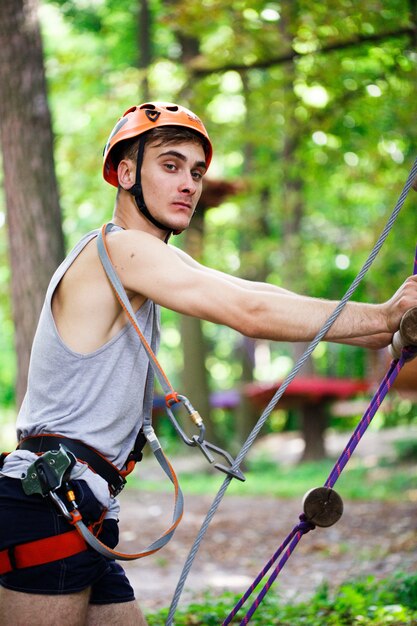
[(48, 472)]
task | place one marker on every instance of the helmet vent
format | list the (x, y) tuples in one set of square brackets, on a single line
[(129, 111), (172, 108), (148, 105)]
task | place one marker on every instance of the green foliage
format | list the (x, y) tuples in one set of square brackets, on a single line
[(7, 354), (323, 142), (350, 149), (7, 364), (365, 602), (402, 411), (406, 449)]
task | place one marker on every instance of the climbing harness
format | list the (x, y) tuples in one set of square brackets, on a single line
[(48, 476), (41, 551), (115, 478), (305, 525)]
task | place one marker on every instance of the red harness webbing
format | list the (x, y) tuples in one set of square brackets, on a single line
[(41, 551)]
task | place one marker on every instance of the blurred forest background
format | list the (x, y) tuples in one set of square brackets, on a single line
[(311, 109)]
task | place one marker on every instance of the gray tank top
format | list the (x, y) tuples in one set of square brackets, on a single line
[(99, 397)]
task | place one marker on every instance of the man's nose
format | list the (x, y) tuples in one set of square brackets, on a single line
[(188, 184)]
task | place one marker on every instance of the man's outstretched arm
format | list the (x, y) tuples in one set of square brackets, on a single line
[(149, 267)]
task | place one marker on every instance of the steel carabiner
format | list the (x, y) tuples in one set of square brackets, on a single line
[(194, 416), (198, 440)]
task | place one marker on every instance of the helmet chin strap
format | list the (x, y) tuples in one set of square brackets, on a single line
[(137, 192)]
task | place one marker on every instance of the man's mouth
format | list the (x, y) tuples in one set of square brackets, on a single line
[(184, 205)]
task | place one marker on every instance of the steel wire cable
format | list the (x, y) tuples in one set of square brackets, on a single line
[(279, 393)]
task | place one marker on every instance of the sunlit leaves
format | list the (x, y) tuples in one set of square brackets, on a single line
[(338, 124)]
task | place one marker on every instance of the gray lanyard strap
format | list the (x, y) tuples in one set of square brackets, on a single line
[(171, 396), (125, 303), (74, 517)]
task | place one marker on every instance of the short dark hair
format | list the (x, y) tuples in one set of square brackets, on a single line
[(163, 135)]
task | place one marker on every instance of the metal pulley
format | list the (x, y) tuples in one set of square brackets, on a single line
[(323, 506)]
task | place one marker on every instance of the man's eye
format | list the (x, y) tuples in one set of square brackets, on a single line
[(170, 166), (197, 175)]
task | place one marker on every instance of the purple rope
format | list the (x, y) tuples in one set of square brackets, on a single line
[(305, 526), (261, 575), (298, 531), (385, 385)]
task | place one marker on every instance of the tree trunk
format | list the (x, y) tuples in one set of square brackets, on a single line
[(36, 243), (314, 424), (312, 415), (194, 376), (144, 46), (246, 413)]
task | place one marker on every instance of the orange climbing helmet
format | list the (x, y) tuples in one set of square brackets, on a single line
[(142, 118)]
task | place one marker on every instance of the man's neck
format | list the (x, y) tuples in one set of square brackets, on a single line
[(127, 215)]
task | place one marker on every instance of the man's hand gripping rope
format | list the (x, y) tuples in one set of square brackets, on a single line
[(406, 336)]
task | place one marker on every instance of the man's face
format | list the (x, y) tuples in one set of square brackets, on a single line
[(172, 179)]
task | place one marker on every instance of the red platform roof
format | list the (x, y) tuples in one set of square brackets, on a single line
[(308, 389)]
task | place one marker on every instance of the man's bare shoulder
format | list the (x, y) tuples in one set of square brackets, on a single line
[(138, 242), (138, 257)]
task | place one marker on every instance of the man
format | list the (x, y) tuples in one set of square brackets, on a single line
[(88, 371)]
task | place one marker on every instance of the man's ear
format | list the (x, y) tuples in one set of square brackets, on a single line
[(126, 173)]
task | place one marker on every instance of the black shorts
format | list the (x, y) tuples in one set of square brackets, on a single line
[(28, 518)]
